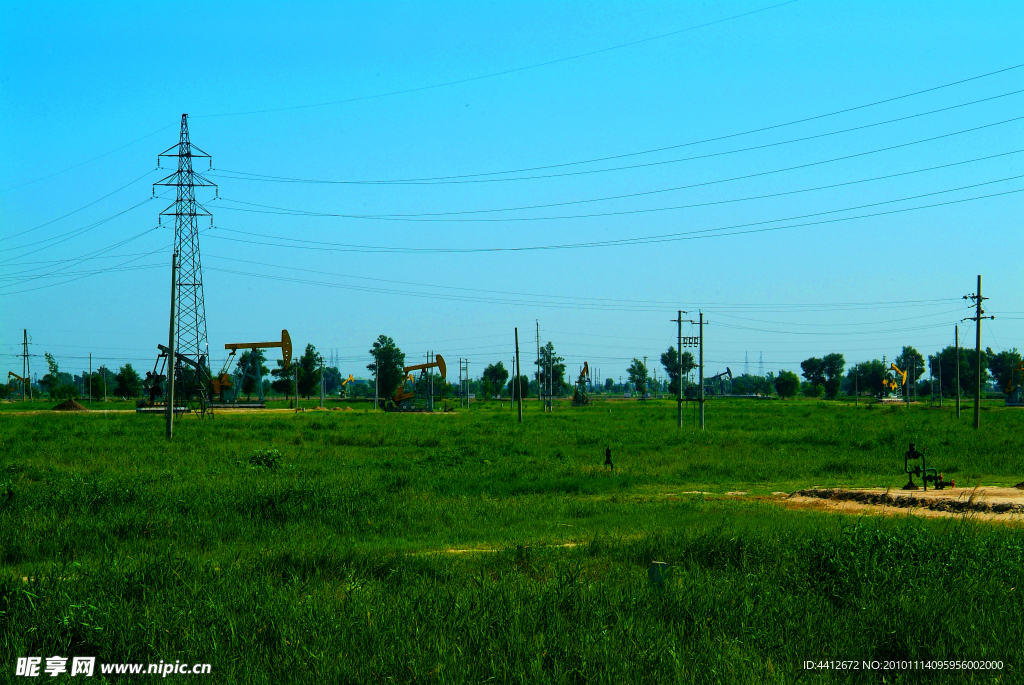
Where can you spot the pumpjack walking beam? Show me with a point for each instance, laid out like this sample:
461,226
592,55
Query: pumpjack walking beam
253,366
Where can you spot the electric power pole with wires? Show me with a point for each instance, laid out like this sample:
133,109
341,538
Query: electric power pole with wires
191,355
977,299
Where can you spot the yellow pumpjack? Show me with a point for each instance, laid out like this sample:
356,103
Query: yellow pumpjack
224,380
402,399
23,381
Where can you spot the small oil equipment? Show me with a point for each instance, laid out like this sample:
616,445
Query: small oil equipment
926,474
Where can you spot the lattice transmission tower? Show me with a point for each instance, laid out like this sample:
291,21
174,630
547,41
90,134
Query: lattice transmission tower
192,356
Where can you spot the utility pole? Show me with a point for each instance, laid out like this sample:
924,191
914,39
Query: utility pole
551,382
977,299
103,372
376,382
537,370
701,401
956,338
856,395
519,379
940,382
295,370
90,376
26,381
321,382
679,359
170,347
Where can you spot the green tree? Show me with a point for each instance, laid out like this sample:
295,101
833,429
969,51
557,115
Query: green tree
911,361
867,377
51,381
248,380
638,376
513,388
946,359
309,371
98,377
609,384
495,376
786,384
813,371
812,389
833,365
441,386
332,379
670,362
1002,365
549,359
285,375
390,361
127,382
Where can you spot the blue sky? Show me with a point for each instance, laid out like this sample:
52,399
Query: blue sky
88,97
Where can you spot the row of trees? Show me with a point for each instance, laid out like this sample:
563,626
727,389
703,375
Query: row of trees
822,376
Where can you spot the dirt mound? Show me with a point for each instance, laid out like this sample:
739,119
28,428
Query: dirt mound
910,501
69,405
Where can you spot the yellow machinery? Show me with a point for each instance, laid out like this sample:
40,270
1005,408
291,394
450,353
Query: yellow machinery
345,382
23,381
1015,389
579,395
405,397
225,381
890,381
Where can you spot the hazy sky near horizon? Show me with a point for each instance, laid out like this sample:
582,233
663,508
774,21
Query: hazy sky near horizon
857,232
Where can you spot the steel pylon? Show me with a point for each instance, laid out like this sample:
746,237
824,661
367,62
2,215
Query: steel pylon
192,358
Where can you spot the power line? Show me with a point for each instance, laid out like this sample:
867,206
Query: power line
500,73
29,230
88,161
98,271
414,217
679,145
667,237
627,167
68,235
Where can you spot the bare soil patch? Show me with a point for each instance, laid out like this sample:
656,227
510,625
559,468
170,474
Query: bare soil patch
984,502
69,405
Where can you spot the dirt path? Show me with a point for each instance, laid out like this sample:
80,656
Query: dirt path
986,503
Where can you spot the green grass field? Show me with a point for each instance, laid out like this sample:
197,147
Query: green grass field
464,547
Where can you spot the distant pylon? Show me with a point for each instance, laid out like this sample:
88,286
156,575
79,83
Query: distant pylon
746,363
760,365
192,365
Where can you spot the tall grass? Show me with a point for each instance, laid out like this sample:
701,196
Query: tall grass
332,546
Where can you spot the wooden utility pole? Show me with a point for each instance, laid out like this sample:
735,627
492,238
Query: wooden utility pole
856,394
701,389
679,378
90,368
321,382
956,338
26,369
940,381
979,311
537,371
295,371
170,353
519,379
